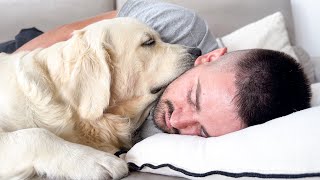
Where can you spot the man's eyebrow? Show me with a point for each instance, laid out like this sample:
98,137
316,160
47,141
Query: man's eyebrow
198,91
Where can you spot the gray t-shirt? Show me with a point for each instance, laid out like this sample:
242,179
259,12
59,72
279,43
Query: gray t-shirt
176,25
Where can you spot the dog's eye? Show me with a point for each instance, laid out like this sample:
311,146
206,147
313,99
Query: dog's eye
149,42
156,90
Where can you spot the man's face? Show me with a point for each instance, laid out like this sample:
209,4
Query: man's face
200,102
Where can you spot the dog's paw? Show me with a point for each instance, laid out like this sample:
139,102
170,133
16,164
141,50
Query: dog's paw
82,162
110,165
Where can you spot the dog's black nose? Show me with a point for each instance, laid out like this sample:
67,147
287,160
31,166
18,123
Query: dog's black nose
195,52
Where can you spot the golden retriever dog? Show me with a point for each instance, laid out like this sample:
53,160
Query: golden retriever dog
64,110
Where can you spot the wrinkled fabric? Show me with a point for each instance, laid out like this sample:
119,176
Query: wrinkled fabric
24,36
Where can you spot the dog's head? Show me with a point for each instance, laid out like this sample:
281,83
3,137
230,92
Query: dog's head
120,66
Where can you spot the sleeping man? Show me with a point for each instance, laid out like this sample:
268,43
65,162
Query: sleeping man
233,91
224,92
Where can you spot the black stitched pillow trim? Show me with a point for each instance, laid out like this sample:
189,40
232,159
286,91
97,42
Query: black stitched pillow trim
120,152
134,167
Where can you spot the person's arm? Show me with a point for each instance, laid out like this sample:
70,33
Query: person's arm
62,33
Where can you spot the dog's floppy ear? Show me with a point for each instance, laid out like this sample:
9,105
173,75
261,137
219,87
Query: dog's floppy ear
90,77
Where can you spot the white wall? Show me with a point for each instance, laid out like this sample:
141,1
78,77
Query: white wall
45,14
306,15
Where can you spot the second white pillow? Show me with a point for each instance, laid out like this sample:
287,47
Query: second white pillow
267,33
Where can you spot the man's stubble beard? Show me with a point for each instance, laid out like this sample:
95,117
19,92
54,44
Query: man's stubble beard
159,114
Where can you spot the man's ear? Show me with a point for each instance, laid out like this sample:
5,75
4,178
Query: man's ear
90,78
211,56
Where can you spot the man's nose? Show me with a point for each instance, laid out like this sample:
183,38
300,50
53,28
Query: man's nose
184,122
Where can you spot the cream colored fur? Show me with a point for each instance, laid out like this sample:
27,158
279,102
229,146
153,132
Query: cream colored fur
66,109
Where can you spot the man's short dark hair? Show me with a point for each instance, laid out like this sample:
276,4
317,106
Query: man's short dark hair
270,84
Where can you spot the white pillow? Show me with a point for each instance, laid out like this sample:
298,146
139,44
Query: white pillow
306,63
315,89
267,33
287,147
316,65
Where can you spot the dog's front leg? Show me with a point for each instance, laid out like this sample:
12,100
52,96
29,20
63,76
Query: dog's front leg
27,152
